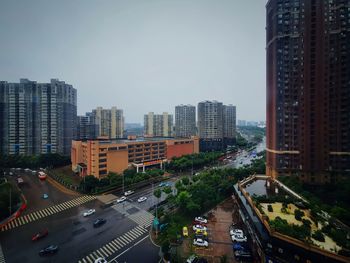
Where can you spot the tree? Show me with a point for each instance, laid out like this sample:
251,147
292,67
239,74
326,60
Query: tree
167,189
183,199
298,214
89,184
7,206
185,180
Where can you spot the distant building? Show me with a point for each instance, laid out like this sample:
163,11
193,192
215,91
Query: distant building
252,123
185,121
211,126
308,89
158,125
110,122
241,123
229,119
37,118
99,157
86,127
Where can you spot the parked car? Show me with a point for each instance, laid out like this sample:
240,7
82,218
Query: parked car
236,232
200,242
89,212
201,219
99,222
194,222
142,199
52,249
201,232
121,199
243,255
129,193
185,231
239,246
199,227
40,235
201,236
100,260
238,238
192,259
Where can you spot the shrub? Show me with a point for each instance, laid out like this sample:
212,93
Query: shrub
269,208
298,214
306,223
318,235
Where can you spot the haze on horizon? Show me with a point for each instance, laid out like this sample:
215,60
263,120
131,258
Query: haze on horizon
140,55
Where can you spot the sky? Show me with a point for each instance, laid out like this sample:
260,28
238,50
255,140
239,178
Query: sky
140,55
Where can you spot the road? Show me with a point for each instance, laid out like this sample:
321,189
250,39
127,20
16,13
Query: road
125,232
245,157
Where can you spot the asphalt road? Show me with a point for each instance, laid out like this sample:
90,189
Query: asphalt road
245,157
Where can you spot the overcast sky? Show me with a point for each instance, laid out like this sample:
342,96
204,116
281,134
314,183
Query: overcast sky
140,55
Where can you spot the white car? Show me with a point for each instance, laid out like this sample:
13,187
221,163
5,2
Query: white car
200,242
100,260
238,238
201,220
142,199
89,212
128,193
121,199
237,232
199,227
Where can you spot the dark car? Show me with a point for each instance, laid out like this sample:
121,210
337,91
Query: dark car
243,255
240,246
40,235
99,222
52,249
200,236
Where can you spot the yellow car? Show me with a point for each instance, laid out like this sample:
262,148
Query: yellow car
185,231
201,232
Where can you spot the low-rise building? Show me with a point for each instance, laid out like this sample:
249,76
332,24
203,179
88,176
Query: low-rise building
100,156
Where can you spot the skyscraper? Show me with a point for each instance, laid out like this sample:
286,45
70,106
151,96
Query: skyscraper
158,125
229,119
210,125
308,89
86,127
110,122
185,121
36,117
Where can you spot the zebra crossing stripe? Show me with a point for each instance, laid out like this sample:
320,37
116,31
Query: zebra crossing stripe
89,259
104,252
116,244
99,253
2,258
109,251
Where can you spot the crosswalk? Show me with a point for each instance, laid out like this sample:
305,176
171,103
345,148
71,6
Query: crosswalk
115,245
142,218
2,258
47,212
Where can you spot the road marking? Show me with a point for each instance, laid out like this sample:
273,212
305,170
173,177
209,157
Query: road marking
126,250
2,258
36,215
118,243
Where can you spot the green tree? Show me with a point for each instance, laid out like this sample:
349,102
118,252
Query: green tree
89,184
167,189
185,180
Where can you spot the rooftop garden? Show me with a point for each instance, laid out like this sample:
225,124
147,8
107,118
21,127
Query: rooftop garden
301,220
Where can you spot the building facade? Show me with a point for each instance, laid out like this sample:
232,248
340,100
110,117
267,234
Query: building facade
158,125
86,127
110,122
229,118
185,121
99,157
37,118
216,125
308,89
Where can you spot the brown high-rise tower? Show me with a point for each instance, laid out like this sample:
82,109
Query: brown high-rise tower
308,89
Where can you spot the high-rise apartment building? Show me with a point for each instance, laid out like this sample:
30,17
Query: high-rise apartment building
110,122
158,125
36,117
229,119
308,89
210,125
86,127
216,125
185,121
